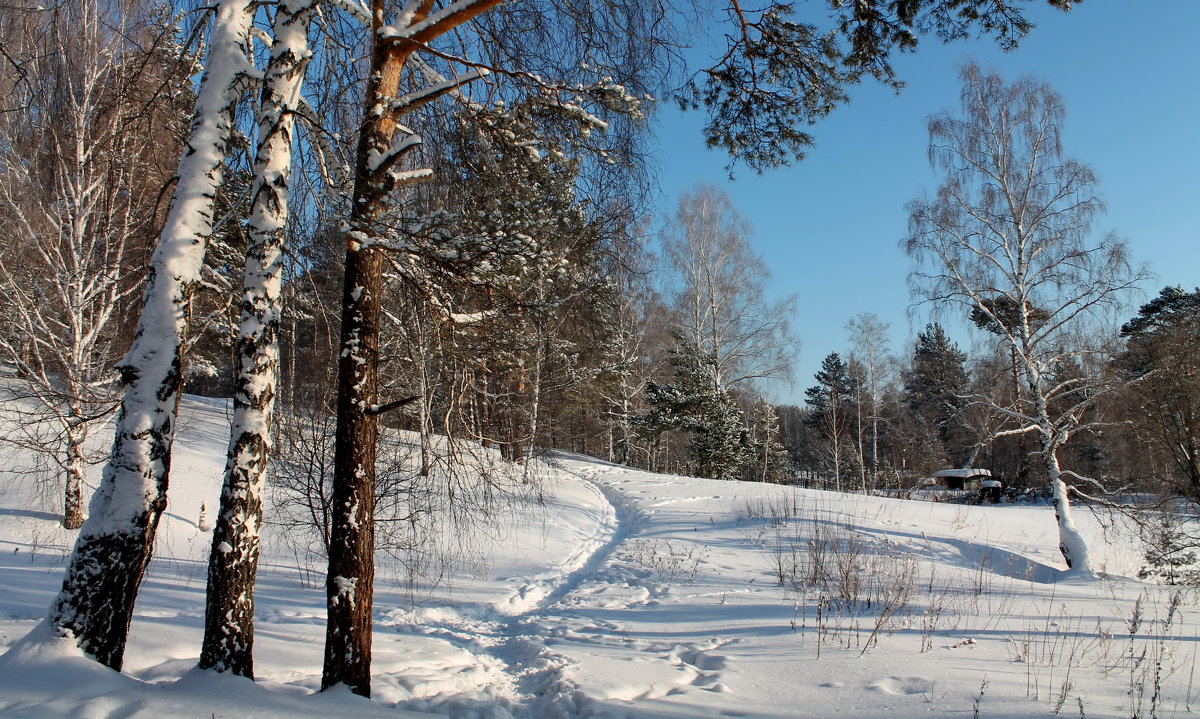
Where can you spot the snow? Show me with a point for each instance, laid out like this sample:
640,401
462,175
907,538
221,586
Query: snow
963,473
403,141
346,586
628,594
407,176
